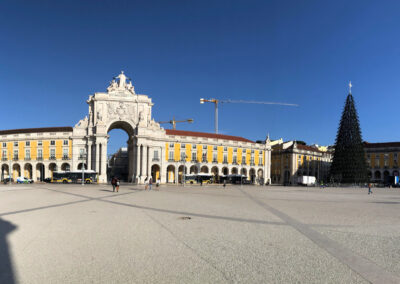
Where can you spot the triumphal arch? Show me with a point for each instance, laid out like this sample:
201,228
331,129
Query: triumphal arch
119,107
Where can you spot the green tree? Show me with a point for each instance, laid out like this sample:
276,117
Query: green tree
348,164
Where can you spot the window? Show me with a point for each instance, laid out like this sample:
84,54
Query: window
171,145
244,159
40,153
15,144
15,154
215,158
155,154
65,142
194,146
260,160
4,144
376,160
39,143
28,143
234,159
215,148
52,153
386,159
235,150
4,154
225,158
171,155
65,153
27,154
81,153
183,156
204,147
194,156
52,142
205,157
183,146
225,149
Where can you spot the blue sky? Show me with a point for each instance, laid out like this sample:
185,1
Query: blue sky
54,54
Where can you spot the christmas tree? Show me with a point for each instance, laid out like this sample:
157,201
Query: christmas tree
348,164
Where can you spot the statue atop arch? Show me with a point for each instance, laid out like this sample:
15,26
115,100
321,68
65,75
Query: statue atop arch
122,84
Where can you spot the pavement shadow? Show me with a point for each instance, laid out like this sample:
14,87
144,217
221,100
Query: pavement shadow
6,271
108,190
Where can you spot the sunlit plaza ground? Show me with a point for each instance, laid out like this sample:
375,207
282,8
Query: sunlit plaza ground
89,234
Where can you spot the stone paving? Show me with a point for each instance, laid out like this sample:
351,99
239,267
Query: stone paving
89,234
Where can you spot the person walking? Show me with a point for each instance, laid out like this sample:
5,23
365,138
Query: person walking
113,183
146,184
117,184
150,182
369,188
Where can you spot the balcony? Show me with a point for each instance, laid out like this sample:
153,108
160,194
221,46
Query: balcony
171,160
204,160
27,158
65,158
215,161
244,163
225,162
39,158
15,158
52,157
156,159
4,159
194,161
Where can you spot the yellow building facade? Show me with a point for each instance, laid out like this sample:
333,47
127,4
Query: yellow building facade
35,153
382,160
290,160
219,155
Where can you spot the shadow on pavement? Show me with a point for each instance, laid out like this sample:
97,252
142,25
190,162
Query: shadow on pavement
6,271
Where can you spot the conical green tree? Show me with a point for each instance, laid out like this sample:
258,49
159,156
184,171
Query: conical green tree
348,164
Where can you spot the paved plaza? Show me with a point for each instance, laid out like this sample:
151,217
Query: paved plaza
89,234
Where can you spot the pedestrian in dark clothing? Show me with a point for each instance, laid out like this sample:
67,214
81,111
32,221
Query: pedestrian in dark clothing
369,189
117,185
224,182
150,182
113,183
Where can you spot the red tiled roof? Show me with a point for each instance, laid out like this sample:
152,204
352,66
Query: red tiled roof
35,130
307,148
381,145
206,135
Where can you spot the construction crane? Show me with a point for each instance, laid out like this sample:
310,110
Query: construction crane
173,122
217,101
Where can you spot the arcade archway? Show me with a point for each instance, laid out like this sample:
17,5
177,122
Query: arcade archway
171,174
120,152
28,171
155,172
40,171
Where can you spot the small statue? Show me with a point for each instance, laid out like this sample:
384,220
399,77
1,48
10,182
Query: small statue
99,116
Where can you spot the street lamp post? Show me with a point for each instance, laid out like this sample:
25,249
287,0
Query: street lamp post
9,169
83,158
184,169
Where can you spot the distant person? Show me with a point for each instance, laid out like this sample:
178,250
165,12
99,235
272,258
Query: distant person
146,184
117,184
158,183
369,188
224,183
150,182
113,183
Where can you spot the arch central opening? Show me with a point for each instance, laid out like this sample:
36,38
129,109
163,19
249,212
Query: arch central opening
118,149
